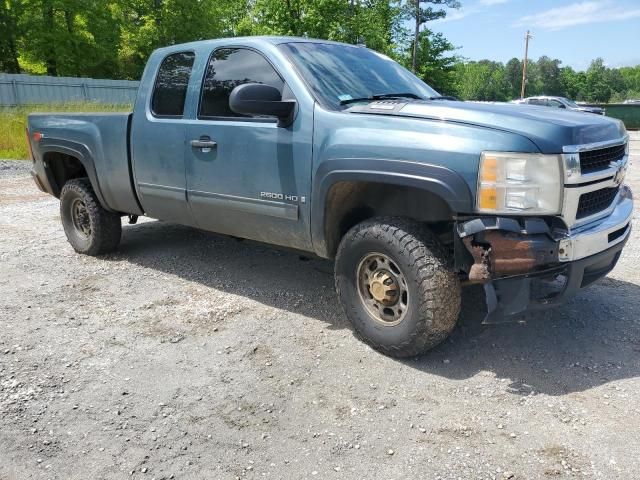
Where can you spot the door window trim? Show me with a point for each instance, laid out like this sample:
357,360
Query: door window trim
235,119
186,94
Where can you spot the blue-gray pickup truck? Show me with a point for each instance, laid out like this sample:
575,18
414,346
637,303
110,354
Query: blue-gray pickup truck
337,150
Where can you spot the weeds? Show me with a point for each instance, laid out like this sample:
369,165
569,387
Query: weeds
13,122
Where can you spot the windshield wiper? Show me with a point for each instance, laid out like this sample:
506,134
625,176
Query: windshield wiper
445,97
380,96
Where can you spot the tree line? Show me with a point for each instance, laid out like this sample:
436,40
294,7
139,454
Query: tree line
495,81
113,39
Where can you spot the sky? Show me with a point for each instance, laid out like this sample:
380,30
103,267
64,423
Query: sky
573,31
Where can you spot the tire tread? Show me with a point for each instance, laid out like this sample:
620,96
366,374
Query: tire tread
438,286
106,227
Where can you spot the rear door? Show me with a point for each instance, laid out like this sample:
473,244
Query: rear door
246,176
157,140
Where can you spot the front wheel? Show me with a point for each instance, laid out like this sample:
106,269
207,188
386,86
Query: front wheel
90,229
396,286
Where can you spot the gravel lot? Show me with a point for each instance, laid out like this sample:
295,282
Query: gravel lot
190,355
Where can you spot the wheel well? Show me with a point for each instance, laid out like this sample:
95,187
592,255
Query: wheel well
62,168
349,203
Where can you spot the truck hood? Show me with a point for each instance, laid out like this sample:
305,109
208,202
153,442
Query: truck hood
550,129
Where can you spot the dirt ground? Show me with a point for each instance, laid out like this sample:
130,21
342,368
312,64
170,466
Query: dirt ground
191,355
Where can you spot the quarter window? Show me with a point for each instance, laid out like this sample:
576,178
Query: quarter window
170,89
228,68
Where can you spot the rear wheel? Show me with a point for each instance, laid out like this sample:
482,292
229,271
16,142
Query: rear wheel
90,229
396,286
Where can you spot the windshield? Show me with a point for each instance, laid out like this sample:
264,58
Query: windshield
571,103
338,74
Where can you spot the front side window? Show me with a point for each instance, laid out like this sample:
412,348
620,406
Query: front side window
555,104
228,68
570,103
170,89
340,74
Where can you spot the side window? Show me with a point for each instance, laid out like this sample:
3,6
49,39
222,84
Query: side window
228,68
535,101
170,89
555,103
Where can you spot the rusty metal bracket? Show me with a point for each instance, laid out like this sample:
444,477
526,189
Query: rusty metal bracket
499,253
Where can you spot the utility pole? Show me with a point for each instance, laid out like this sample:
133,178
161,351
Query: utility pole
524,64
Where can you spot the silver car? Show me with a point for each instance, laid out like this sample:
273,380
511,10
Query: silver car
561,102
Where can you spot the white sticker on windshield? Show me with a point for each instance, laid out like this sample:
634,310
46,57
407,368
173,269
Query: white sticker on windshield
344,97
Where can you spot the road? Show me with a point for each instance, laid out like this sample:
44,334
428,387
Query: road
191,355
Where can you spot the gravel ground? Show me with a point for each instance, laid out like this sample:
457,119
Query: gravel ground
191,355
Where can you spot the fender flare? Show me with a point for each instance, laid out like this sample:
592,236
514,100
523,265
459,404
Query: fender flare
439,180
84,156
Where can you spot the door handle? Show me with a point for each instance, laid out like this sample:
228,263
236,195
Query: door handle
205,143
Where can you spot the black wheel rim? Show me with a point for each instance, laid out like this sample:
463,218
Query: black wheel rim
80,218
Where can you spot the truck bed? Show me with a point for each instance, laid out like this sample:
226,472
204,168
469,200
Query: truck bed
102,139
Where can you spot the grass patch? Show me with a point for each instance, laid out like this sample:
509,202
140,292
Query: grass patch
13,122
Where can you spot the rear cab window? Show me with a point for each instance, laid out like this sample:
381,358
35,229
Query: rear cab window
170,88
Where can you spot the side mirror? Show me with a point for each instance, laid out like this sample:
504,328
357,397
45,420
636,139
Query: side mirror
259,99
562,105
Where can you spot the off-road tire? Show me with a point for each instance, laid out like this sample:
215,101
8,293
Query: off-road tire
433,288
105,227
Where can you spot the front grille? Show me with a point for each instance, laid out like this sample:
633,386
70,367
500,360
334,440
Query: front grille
596,160
594,202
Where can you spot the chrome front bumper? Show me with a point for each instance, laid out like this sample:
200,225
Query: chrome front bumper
602,234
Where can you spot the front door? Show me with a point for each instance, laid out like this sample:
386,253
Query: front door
246,176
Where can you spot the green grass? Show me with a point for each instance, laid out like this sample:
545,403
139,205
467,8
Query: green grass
13,122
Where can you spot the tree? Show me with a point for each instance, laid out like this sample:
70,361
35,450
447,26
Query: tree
68,37
631,77
513,77
422,15
597,87
150,24
374,23
548,73
573,83
435,61
114,38
9,11
484,80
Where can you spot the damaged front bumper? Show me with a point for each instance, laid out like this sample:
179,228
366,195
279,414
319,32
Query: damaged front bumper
529,264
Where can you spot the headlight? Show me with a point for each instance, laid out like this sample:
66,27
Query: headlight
519,183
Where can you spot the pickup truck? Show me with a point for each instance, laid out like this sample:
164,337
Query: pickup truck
337,150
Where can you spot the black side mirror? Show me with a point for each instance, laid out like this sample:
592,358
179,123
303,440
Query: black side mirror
562,105
259,99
